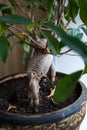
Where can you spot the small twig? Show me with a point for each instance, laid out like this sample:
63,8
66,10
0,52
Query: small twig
44,29
67,24
20,7
72,54
18,29
35,42
62,53
24,11
42,4
59,12
66,53
61,4
34,45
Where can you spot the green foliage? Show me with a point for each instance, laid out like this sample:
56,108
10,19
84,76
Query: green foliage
2,28
66,86
49,5
30,26
72,42
52,42
75,33
15,19
5,9
84,29
4,48
71,11
26,48
83,10
12,2
85,69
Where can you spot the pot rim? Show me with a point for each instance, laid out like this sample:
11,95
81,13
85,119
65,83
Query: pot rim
38,119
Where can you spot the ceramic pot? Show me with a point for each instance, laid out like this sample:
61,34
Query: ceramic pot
68,118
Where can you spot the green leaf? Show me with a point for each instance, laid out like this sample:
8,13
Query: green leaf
26,47
12,2
15,19
71,10
83,10
2,28
66,14
50,11
76,1
49,6
4,48
52,42
5,9
75,33
30,26
25,58
72,42
84,29
85,69
66,86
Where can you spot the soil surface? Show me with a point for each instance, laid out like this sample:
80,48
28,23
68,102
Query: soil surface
14,99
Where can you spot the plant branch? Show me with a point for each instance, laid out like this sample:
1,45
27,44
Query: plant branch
72,54
65,52
16,28
34,45
61,4
62,53
21,9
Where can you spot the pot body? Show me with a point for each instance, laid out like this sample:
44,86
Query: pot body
68,118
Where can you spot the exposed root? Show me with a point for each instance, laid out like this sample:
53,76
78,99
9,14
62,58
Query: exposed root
52,92
11,107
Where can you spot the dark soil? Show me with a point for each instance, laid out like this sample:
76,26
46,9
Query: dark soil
14,92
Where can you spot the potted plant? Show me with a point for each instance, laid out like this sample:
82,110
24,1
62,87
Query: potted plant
42,26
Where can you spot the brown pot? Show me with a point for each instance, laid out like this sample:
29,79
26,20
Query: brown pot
68,118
